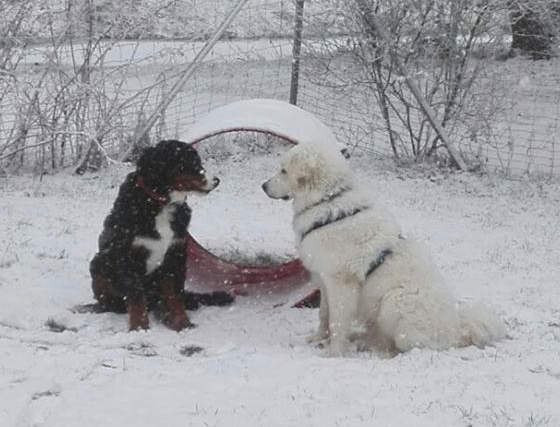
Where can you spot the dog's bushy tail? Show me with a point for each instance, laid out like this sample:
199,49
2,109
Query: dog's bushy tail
193,300
481,325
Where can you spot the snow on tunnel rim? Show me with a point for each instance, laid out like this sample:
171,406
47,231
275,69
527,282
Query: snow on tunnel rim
270,116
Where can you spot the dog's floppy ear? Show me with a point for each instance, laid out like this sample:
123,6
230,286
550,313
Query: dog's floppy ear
310,177
302,181
306,166
318,168
152,166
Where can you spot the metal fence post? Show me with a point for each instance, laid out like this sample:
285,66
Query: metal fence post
296,52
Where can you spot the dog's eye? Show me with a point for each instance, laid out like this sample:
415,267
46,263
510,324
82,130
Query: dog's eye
202,172
283,171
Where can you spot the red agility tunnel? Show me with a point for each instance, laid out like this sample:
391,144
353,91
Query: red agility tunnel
212,272
276,118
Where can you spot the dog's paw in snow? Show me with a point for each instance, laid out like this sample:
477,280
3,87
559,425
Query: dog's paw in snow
338,348
320,335
318,339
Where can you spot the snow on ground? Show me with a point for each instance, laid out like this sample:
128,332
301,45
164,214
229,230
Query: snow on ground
494,239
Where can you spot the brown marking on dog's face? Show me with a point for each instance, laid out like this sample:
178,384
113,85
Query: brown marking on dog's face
192,179
189,183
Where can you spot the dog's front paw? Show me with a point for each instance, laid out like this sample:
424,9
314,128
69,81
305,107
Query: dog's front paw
317,338
137,316
338,348
178,321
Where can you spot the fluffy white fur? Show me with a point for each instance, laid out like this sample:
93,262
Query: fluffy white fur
404,302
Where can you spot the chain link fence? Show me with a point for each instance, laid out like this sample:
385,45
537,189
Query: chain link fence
68,90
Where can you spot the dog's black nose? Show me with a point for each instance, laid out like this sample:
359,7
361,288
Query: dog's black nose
264,187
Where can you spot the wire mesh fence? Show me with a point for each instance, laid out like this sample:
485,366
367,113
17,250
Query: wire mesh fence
71,92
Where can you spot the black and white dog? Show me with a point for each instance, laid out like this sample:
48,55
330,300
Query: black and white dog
141,262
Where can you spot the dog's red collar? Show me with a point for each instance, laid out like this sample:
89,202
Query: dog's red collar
150,193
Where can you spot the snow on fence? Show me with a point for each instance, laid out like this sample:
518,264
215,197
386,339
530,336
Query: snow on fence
76,85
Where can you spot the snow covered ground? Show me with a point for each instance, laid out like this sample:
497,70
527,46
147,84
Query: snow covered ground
494,239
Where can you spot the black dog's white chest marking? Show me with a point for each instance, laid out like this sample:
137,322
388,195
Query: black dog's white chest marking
158,247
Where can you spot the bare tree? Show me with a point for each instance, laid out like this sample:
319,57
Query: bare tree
67,107
534,26
435,43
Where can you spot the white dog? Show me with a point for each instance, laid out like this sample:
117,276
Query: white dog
378,289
